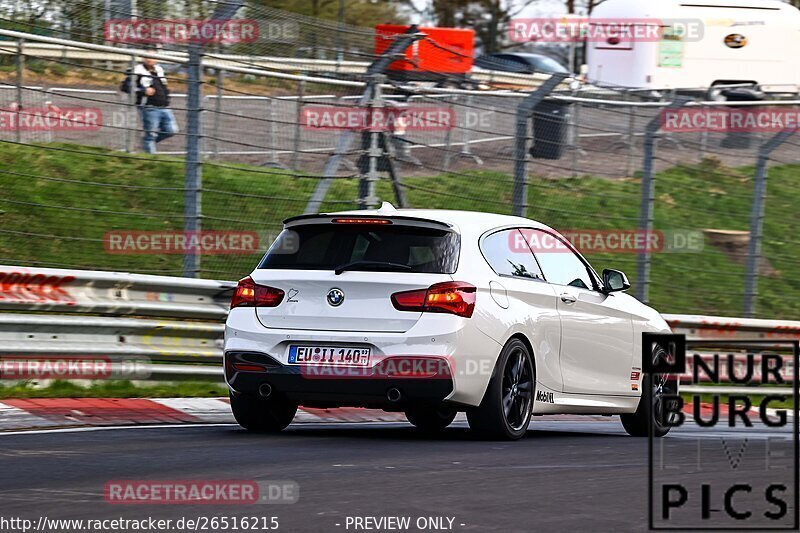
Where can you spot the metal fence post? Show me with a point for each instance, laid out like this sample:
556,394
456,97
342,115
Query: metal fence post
703,139
448,137
48,100
648,197
20,83
466,152
130,109
301,90
757,220
366,196
574,141
192,194
524,114
274,160
631,141
220,76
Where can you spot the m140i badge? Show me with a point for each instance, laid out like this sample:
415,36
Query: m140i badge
335,297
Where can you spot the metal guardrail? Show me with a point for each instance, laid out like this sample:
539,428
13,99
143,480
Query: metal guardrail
113,337
37,46
163,319
697,327
112,293
55,51
111,314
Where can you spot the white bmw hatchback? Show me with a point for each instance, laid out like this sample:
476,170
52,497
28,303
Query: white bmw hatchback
432,313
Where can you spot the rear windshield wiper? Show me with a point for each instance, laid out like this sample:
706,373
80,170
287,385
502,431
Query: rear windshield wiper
374,264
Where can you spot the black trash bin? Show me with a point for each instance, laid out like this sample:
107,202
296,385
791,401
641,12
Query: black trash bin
549,130
740,140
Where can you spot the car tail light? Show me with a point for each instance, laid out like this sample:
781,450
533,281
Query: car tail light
250,294
361,221
455,297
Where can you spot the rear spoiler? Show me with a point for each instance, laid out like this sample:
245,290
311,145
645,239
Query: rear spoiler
393,218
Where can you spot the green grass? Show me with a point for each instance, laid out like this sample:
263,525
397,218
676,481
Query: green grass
114,389
57,204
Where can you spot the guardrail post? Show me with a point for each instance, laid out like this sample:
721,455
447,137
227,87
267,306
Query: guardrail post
757,220
524,113
20,83
648,198
192,194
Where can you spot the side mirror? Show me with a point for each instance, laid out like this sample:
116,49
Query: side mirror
614,281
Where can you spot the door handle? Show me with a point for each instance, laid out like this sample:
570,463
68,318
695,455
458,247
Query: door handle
568,298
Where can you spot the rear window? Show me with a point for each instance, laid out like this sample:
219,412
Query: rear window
328,246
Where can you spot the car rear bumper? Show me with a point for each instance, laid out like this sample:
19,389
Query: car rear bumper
471,353
333,387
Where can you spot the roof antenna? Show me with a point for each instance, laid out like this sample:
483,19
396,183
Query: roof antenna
386,206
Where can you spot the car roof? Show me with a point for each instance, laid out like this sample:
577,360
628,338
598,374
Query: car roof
474,220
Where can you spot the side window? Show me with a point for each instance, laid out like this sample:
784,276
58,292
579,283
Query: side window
508,255
559,263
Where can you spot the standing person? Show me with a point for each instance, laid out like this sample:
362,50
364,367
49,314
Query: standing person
158,121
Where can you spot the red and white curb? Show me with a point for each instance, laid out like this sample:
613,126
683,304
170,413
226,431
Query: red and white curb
44,413
36,413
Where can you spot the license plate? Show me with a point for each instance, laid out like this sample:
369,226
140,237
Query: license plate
329,355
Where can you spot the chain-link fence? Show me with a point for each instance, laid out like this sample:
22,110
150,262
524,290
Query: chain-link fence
256,145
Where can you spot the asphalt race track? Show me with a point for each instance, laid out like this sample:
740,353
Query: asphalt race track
567,475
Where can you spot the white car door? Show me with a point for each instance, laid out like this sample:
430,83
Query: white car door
520,289
596,329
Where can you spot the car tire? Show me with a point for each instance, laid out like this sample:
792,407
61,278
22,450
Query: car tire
652,402
431,419
262,415
506,409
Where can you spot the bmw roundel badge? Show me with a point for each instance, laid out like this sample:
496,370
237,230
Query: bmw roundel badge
335,297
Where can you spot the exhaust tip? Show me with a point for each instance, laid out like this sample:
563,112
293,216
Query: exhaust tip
265,390
394,395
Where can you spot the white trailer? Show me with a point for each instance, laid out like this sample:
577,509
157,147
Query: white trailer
703,43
